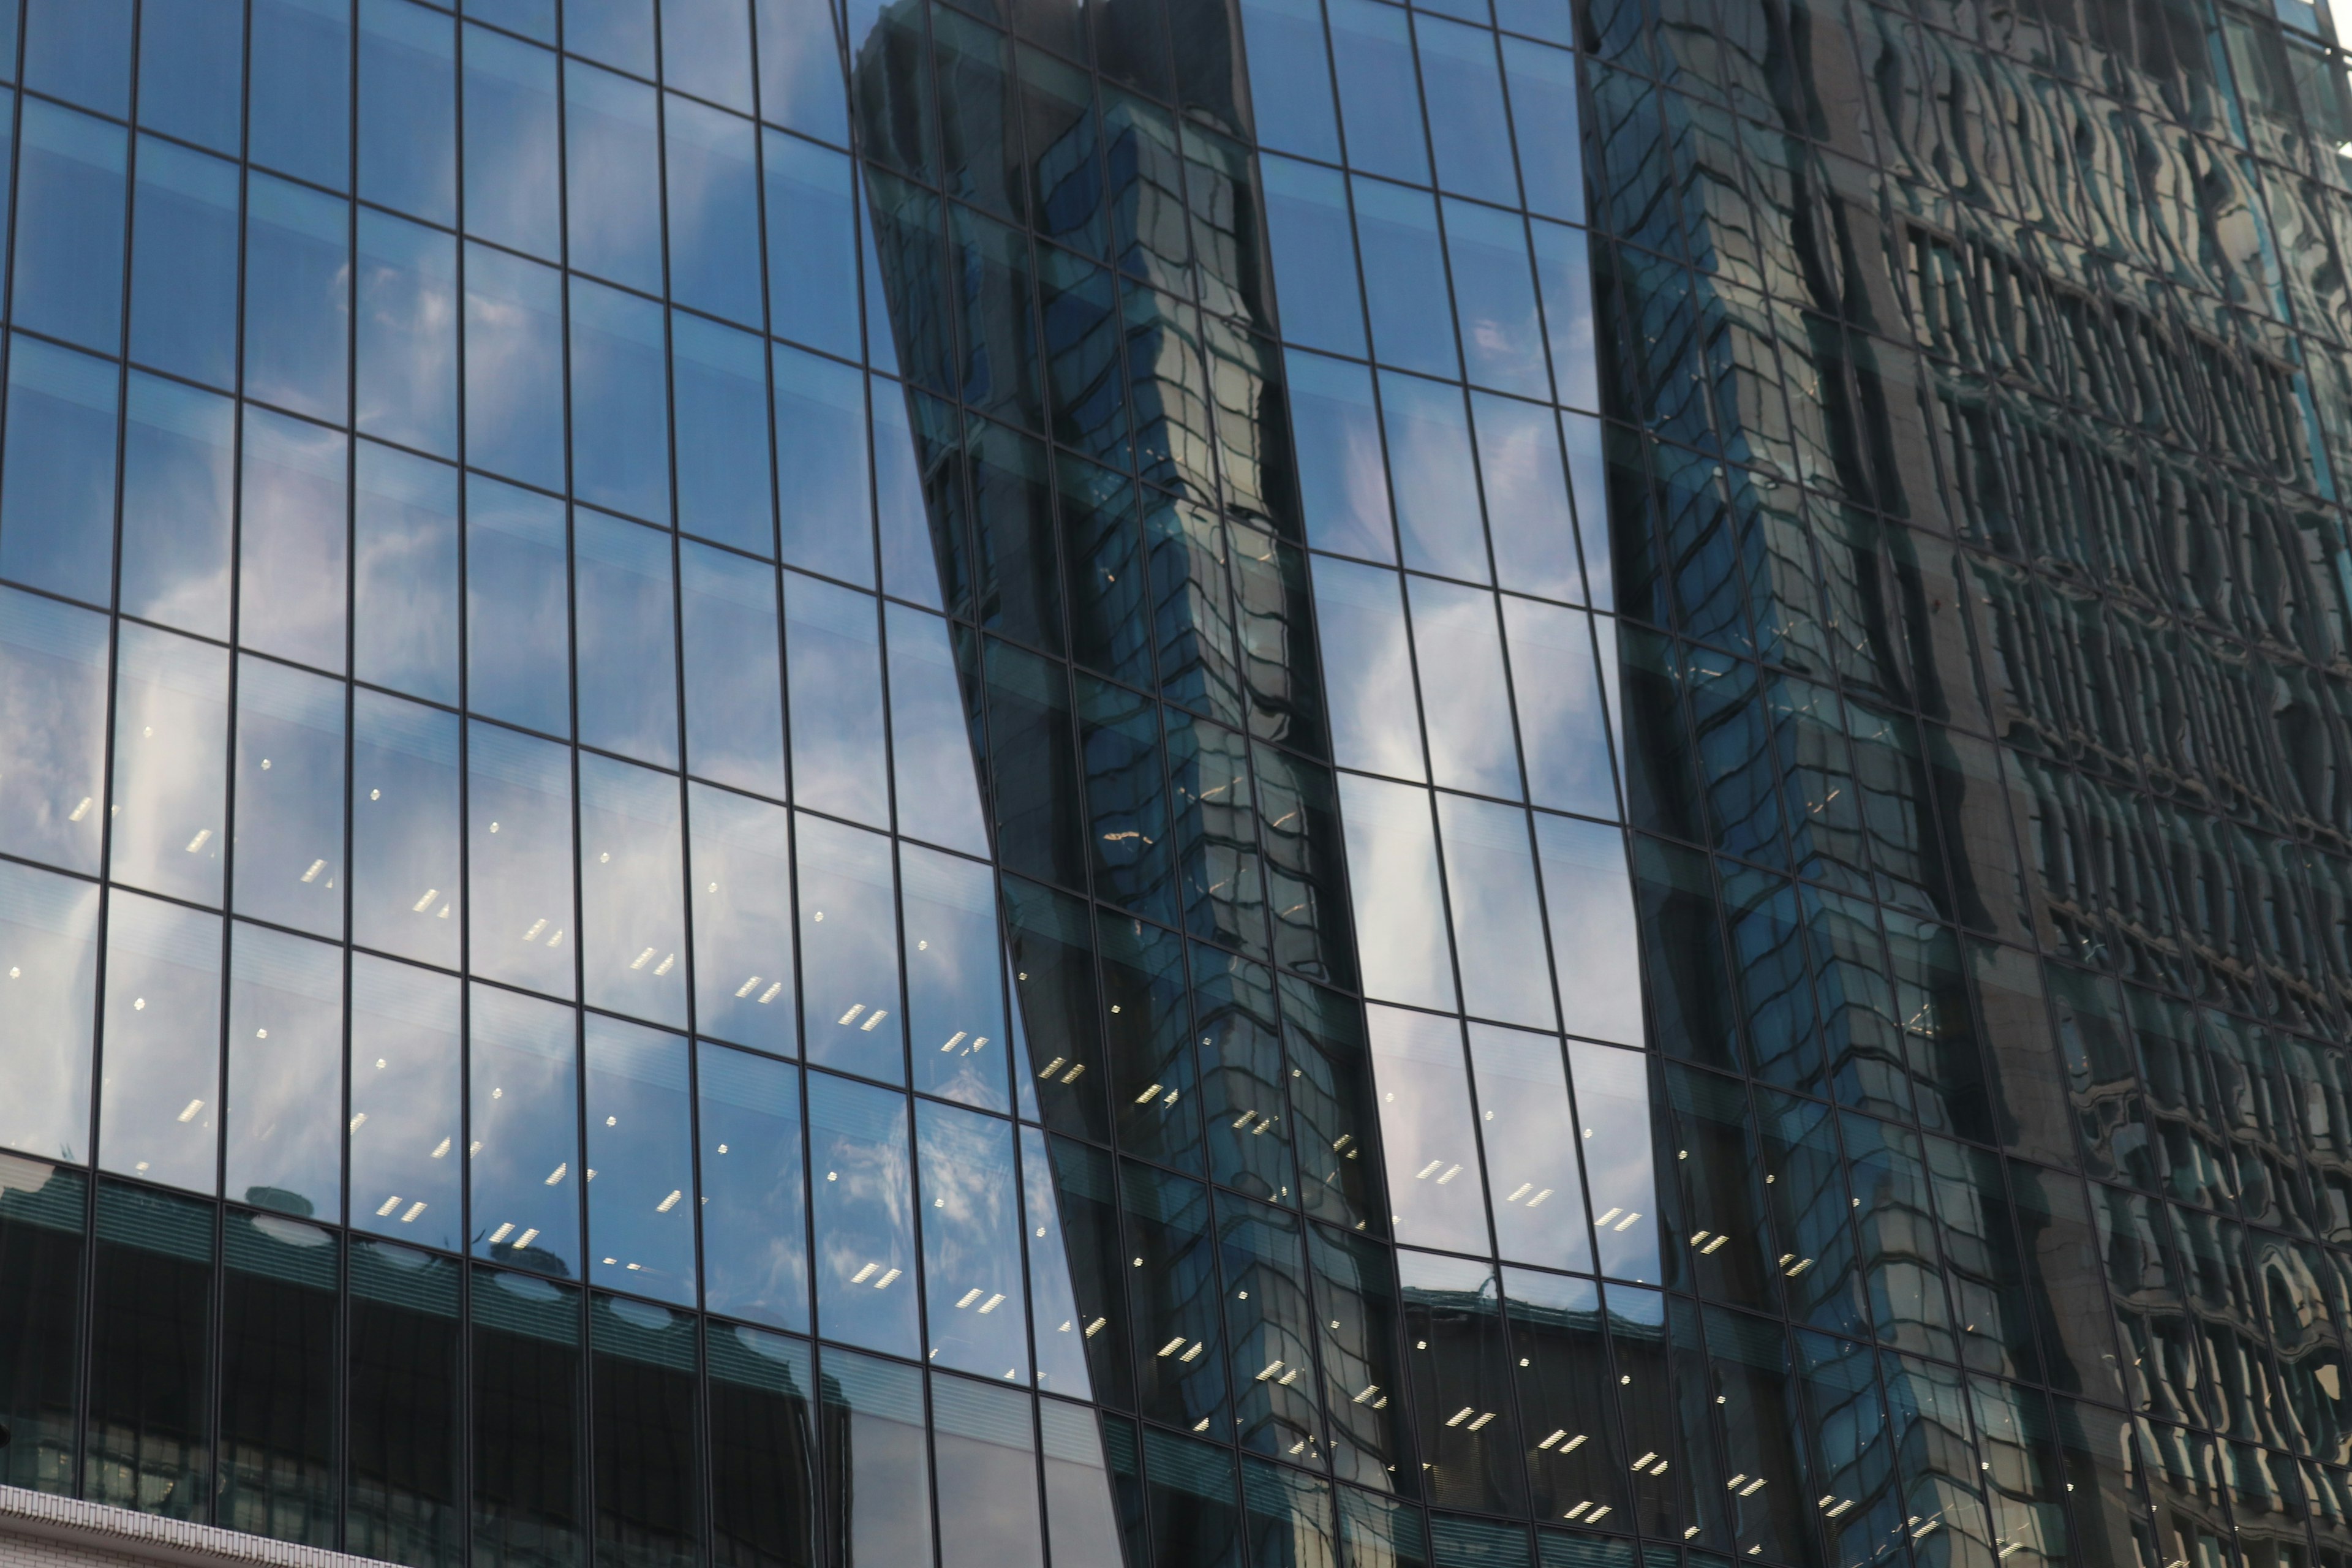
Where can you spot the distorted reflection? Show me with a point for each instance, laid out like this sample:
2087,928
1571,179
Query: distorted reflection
864,1201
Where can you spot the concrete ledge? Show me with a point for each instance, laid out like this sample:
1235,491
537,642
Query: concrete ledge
73,1532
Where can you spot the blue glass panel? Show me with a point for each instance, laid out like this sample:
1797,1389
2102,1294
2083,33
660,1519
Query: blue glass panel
1588,480
298,306
620,417
719,381
833,661
1367,660
1543,111
407,1085
864,1191
405,571
1612,1113
405,845
408,109
1378,98
170,763
714,209
56,484
518,825
1432,477
1429,1132
159,1100
524,1165
80,50
632,891
48,943
707,49
617,33
1458,646
293,538
53,680
284,1097
641,1145
69,198
932,743
289,797
613,139
828,525
514,367
1593,934
812,246
1399,898
1538,18
742,890
184,263
1336,436
406,344
955,978
1290,78
1562,723
517,609
512,180
754,1191
1495,298
1061,1331
910,561
626,648
298,114
192,70
849,951
1404,274
881,344
1564,271
972,1242
1490,881
179,475
1314,256
801,82
734,678
533,18
1467,124
1527,520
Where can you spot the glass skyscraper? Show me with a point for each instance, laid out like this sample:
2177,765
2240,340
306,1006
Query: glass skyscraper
1177,783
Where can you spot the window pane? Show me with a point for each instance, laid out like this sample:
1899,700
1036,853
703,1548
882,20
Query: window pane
408,109
289,797
512,183
292,546
192,70
828,525
1064,1330
1490,883
405,569
754,1208
734,679
799,68
1467,123
518,825
1591,902
298,114
183,262
405,1474
1434,476
713,190
179,479
1459,649
159,1100
1379,98
1341,481
1527,498
285,1073
1612,1112
864,1215
514,364
517,609
718,384
614,191
41,1218
151,1368
833,660
1404,272
525,1153
762,1448
69,275
642,1392
171,739
1429,1137
57,501
1495,297
877,1409
406,388
932,743
955,978
620,415
298,305
1531,1171
49,970
971,1245
811,244
743,920
641,1147
707,49
53,673
986,1457
1399,898
849,951
406,1088
527,1419
279,1379
626,648
405,840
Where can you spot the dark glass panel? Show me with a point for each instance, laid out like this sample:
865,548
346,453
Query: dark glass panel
278,1379
527,1421
148,1443
404,1495
762,1449
42,1215
648,1475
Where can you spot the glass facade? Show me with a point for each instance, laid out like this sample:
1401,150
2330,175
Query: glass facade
1180,783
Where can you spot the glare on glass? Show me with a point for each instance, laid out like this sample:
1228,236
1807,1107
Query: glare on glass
285,1073
1431,1136
170,763
407,1085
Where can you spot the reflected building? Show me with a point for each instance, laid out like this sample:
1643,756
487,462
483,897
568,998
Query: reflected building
1174,783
